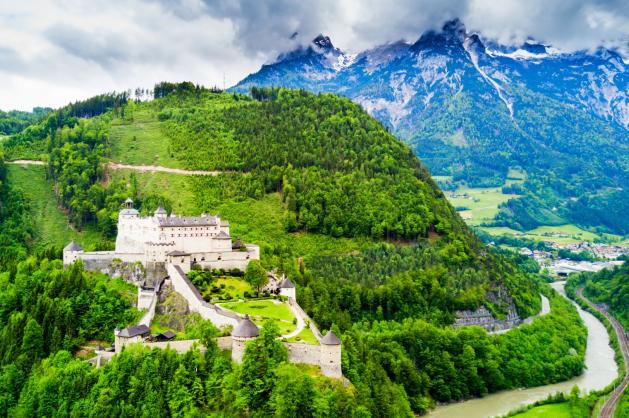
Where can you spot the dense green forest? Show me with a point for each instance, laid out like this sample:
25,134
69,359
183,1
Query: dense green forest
14,222
337,175
16,121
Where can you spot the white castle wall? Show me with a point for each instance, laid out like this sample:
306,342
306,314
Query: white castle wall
147,300
98,260
183,286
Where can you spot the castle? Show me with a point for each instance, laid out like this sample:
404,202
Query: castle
164,238
176,243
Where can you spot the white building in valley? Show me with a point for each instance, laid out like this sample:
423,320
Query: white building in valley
164,238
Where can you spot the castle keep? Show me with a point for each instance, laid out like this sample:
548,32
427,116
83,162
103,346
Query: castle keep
163,238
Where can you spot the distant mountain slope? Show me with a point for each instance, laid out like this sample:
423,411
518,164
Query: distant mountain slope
473,110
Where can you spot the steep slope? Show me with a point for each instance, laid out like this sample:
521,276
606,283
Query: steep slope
473,111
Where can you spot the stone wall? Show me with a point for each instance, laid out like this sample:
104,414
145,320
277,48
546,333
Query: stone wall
180,346
183,286
229,259
148,301
304,353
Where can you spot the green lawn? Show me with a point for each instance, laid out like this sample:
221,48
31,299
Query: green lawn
234,288
50,223
140,141
265,308
262,310
305,336
558,410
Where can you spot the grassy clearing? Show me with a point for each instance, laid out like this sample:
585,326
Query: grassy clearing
481,204
51,226
515,176
176,187
562,234
139,140
230,287
305,336
266,308
262,222
262,310
557,410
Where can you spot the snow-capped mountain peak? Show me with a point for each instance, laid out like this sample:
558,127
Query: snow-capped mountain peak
398,81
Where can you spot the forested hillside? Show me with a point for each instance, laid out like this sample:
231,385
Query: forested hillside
15,121
340,206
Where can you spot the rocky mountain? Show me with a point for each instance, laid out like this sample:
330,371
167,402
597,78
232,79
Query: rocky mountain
473,109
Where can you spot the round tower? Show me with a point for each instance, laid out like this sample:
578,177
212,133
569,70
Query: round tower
126,238
331,355
245,331
71,252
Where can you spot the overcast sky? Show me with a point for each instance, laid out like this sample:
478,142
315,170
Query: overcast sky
56,51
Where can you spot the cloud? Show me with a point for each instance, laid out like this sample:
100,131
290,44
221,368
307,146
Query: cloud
56,51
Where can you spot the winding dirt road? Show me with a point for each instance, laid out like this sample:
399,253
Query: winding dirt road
607,411
159,168
26,162
139,168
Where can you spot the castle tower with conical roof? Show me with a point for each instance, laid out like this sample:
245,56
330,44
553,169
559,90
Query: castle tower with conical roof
244,332
331,355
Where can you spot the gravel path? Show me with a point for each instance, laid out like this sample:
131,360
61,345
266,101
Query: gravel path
158,168
26,162
139,168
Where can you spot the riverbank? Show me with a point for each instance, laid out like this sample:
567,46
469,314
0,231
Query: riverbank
601,370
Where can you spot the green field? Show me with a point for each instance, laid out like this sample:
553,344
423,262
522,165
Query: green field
561,234
50,224
557,410
305,336
234,288
139,140
481,204
262,310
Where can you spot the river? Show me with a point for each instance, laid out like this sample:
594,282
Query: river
601,370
